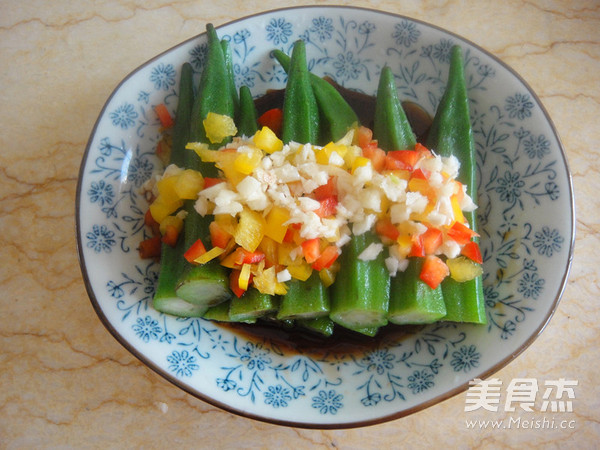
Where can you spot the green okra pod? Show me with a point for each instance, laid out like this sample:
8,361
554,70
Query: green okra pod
451,134
247,123
207,284
172,263
410,298
300,110
337,115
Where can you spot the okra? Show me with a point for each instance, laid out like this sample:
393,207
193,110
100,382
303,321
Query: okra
220,313
412,301
300,110
451,134
253,304
172,263
337,115
322,326
207,284
304,299
247,123
410,298
301,124
360,294
391,127
228,55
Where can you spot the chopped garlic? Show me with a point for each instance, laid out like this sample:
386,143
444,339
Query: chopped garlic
371,252
283,276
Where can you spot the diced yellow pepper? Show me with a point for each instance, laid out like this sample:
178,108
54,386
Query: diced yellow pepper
463,269
300,271
246,162
404,244
200,148
166,189
267,140
227,164
266,282
458,214
275,227
323,155
385,206
161,208
229,261
250,229
269,247
352,153
227,222
327,277
419,185
209,255
360,161
188,184
174,221
218,127
244,278
283,254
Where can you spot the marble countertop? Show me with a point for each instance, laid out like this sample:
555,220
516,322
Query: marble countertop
67,383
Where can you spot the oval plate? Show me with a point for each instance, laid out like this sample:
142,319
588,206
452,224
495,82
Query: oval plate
526,215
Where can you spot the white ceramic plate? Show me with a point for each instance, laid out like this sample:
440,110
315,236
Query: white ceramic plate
526,216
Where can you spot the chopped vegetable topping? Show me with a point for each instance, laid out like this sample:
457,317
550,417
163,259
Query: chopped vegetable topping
282,211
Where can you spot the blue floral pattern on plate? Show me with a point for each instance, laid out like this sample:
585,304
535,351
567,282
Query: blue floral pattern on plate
525,214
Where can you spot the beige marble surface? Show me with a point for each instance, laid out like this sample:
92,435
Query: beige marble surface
65,382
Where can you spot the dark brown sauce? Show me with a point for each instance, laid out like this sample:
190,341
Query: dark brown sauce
343,341
299,340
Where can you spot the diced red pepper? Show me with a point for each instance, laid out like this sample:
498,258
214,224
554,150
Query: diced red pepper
376,155
218,236
422,150
472,251
196,250
365,136
171,235
460,233
393,164
328,207
234,283
245,257
432,239
420,174
164,116
417,249
406,158
326,190
434,271
150,248
289,235
311,250
273,118
327,258
386,228
208,181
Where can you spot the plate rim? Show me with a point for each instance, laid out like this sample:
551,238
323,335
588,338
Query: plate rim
315,425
